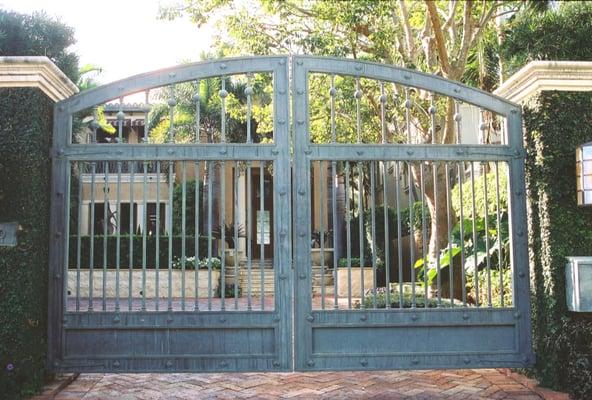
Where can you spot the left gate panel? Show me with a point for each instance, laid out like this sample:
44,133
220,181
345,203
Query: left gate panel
170,222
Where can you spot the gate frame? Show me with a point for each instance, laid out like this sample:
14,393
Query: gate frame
307,320
64,152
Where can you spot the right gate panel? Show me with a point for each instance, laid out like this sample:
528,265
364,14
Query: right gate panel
410,222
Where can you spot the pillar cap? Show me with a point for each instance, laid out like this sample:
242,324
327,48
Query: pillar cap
38,72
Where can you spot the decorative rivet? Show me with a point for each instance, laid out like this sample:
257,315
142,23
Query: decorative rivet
360,152
301,191
283,277
223,151
364,317
283,233
282,121
409,152
61,108
276,318
299,62
60,153
465,316
358,67
142,319
302,234
457,117
116,319
171,151
59,194
383,98
300,122
364,362
517,153
520,233
300,91
223,93
282,61
408,103
283,192
119,152
116,364
172,102
517,315
358,94
466,360
248,91
456,90
414,317
407,76
514,111
169,318
282,91
222,319
525,359
58,235
308,152
521,274
169,364
483,126
196,97
222,66
172,75
432,110
120,88
310,363
518,193
58,276
415,360
460,151
310,317
332,92
302,276
275,152
276,363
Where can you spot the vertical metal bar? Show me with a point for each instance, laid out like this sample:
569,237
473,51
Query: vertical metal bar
223,232
105,231
146,112
262,232
196,263
387,246
449,229
170,241
358,96
487,258
249,94
361,229
424,237
323,182
235,217
131,234
373,221
120,119
210,227
411,186
196,237
461,173
249,209
157,249
474,217
399,230
499,235
183,229
334,182
66,243
92,236
348,236
223,93
144,231
78,234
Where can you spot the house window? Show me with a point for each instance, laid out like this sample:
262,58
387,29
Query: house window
151,211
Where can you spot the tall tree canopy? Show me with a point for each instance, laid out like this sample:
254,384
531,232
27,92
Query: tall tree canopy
38,35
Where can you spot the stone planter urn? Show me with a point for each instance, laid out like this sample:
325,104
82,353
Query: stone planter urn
315,256
229,256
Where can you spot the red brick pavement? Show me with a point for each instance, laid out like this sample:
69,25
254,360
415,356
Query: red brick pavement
430,384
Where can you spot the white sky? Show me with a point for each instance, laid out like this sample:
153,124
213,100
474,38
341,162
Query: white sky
124,37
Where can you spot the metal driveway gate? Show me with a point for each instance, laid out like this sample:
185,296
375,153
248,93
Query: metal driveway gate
182,226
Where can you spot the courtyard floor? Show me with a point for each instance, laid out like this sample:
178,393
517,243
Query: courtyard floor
429,384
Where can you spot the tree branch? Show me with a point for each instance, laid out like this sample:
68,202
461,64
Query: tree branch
407,29
440,44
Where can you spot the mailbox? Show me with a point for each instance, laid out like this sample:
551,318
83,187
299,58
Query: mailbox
578,279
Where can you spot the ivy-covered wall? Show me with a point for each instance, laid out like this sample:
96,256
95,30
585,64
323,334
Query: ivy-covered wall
25,137
555,124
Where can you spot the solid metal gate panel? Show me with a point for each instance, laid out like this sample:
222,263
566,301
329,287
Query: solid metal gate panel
125,293
376,310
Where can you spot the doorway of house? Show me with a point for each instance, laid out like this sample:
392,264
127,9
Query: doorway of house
262,213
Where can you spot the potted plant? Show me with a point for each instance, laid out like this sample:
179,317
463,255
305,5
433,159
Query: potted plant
325,258
229,235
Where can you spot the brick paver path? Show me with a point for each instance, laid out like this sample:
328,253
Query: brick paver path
445,384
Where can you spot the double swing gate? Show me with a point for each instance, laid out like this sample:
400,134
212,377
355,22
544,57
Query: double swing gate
287,213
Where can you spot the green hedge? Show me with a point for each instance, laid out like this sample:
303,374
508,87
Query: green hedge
24,198
137,241
556,123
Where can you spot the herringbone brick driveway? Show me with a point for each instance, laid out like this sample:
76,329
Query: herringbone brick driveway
446,384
